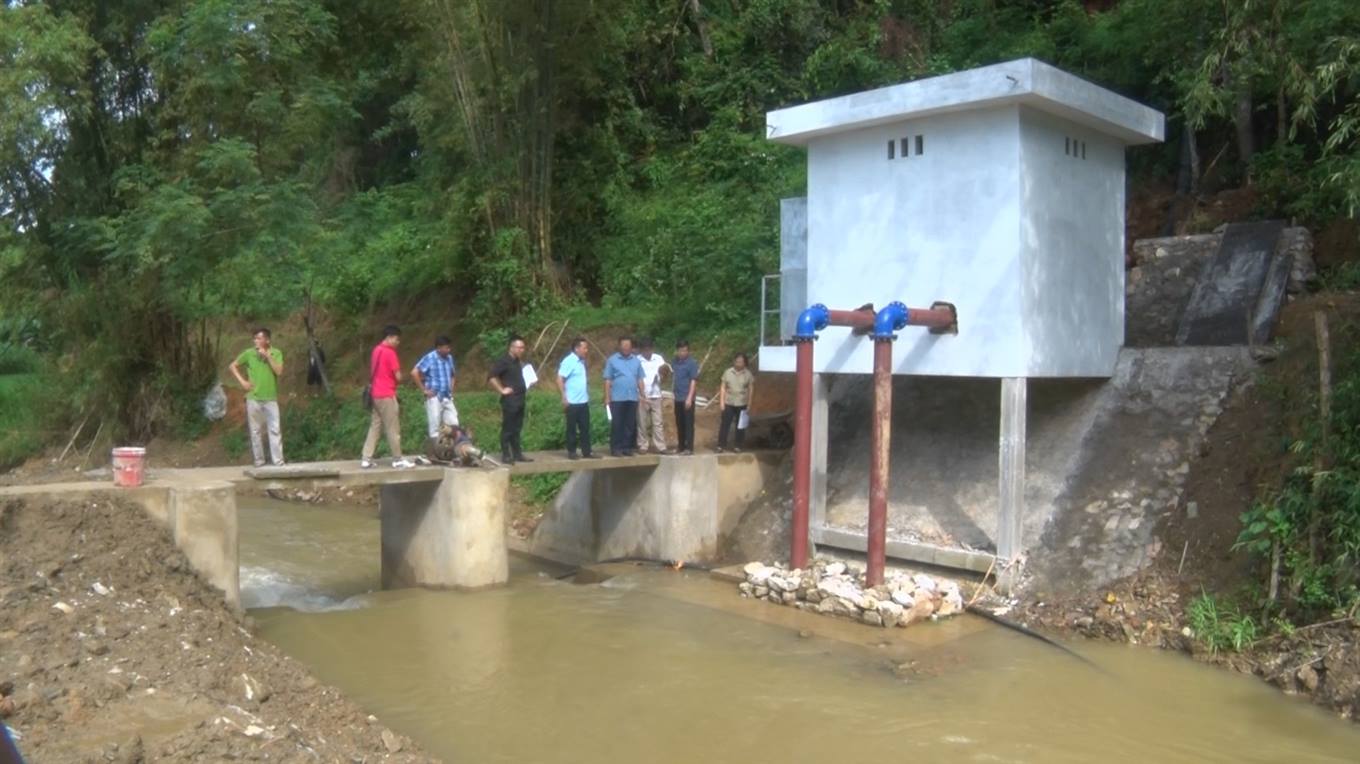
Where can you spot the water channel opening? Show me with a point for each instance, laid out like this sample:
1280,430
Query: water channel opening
656,665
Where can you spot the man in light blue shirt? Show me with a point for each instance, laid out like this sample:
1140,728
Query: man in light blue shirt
622,386
571,380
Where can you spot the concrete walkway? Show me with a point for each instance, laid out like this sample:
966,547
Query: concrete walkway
345,473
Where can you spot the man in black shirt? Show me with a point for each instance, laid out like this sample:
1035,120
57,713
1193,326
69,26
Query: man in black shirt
507,378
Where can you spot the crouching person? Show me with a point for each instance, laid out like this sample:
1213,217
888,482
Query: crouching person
453,445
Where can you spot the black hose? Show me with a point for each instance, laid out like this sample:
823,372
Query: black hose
674,564
1027,631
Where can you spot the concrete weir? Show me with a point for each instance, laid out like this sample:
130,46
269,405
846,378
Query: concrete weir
446,527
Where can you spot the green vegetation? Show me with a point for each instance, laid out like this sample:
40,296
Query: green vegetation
1306,531
169,168
1220,626
21,405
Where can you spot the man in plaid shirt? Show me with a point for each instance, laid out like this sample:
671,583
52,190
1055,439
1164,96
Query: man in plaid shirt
434,375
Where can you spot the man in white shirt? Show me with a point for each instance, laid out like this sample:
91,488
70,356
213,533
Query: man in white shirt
649,406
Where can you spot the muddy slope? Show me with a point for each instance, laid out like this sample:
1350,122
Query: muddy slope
112,649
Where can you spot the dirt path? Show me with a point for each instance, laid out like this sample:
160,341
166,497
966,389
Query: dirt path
112,649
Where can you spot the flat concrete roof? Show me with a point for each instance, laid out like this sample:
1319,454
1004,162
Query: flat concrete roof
1025,81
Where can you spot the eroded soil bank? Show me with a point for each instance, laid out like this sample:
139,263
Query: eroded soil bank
112,649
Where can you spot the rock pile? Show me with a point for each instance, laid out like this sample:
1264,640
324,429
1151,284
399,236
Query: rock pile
833,588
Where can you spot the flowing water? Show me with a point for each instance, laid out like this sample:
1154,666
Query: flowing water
655,666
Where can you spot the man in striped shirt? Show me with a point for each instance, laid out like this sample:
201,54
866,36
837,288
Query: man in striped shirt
435,375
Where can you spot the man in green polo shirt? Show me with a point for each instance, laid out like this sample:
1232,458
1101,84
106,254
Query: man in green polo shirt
263,364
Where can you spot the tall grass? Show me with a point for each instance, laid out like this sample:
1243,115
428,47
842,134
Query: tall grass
22,418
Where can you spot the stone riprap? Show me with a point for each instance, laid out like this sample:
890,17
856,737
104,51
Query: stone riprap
837,589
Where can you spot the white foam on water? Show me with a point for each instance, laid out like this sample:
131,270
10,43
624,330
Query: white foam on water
262,587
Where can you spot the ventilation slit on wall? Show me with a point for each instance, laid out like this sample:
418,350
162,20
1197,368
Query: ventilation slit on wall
891,146
920,145
902,148
1083,149
1067,145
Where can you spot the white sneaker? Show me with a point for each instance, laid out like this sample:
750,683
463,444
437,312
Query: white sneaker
402,464
366,463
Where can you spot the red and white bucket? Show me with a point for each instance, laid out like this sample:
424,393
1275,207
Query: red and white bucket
128,466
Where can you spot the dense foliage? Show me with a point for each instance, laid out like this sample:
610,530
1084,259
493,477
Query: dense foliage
168,165
1308,530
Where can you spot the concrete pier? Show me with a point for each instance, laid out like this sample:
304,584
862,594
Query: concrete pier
681,509
449,533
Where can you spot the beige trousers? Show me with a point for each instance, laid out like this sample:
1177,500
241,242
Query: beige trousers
385,419
264,415
650,410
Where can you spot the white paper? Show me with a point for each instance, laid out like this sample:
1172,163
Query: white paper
608,413
743,421
530,376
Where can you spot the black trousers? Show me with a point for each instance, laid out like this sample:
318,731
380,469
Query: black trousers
578,428
684,426
512,423
623,426
731,416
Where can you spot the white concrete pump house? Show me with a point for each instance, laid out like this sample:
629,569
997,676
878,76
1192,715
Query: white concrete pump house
998,189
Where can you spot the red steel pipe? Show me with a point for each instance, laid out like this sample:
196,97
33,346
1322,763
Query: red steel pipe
802,454
940,317
878,465
860,320
934,318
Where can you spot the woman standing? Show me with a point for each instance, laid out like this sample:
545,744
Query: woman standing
738,387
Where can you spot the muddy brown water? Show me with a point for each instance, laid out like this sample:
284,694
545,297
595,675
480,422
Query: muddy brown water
657,666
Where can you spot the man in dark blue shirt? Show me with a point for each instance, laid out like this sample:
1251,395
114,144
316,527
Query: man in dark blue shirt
685,371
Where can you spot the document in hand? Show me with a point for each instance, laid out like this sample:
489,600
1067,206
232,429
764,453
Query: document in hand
744,420
530,376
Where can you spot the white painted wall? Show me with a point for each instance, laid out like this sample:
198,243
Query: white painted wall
943,225
1072,235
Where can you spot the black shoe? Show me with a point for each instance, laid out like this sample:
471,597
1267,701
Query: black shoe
507,459
630,453
612,452
523,458
722,449
572,455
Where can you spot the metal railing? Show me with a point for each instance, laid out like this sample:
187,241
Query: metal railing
766,311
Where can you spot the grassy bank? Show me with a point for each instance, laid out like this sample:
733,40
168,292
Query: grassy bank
22,418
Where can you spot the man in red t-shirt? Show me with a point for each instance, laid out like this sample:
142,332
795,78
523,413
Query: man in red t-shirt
384,373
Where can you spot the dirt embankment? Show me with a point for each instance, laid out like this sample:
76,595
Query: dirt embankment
1245,450
112,649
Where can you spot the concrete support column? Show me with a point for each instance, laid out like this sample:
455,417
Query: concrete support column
1011,468
821,387
681,509
202,519
446,534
